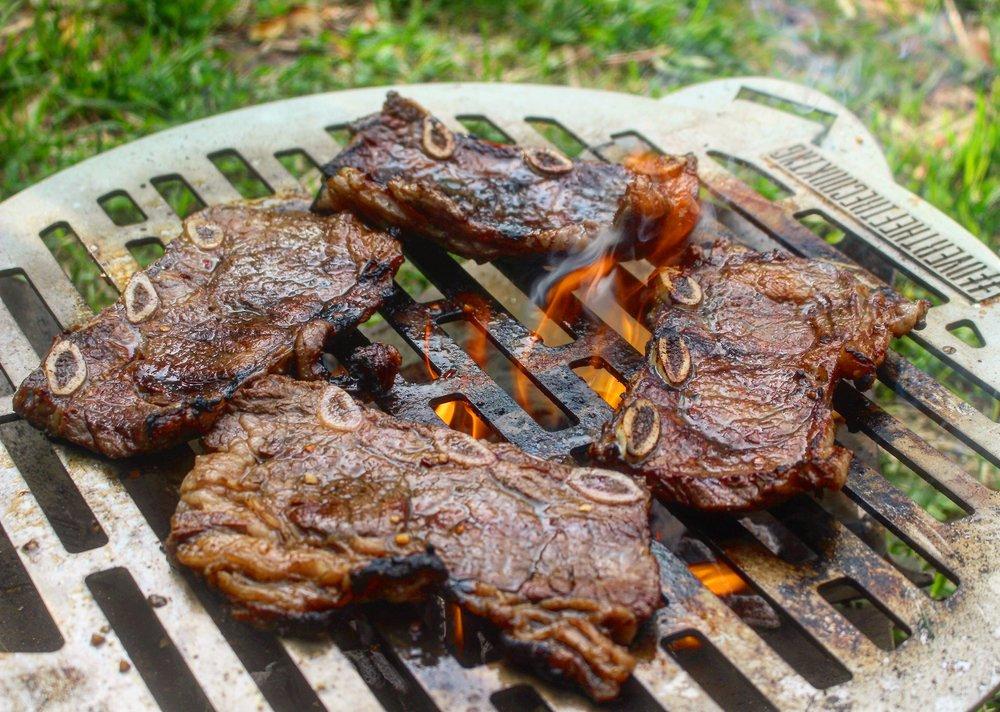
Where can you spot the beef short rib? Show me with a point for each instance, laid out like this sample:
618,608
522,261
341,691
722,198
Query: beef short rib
732,410
223,305
312,501
404,168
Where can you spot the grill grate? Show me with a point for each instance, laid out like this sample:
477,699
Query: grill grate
135,632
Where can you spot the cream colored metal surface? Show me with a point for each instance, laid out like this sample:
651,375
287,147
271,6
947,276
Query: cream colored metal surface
952,659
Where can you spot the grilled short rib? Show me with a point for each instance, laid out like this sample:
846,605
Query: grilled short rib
404,168
311,502
732,411
223,305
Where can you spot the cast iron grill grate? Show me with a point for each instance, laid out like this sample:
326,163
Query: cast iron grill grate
93,614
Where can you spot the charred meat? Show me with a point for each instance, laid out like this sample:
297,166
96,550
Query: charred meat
311,501
406,169
226,303
732,410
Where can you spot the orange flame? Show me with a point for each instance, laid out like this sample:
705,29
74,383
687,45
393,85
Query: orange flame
603,382
718,577
427,350
598,288
457,414
611,291
685,642
458,631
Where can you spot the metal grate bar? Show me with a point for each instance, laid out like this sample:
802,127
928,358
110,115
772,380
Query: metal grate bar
793,588
858,562
947,410
694,607
904,517
912,450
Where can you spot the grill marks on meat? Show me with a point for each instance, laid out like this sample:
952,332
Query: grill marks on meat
312,501
405,169
223,305
732,411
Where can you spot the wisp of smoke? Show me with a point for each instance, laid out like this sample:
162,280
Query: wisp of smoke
600,247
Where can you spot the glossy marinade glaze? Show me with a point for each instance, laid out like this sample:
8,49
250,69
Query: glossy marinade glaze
223,305
405,169
732,410
311,501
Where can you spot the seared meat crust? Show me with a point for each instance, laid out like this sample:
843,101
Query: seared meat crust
222,306
732,411
405,169
312,501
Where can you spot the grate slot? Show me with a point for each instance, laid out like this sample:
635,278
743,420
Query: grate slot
28,310
909,448
515,302
157,660
602,379
79,265
843,550
301,165
865,613
340,133
25,624
57,495
763,183
900,514
558,135
120,207
936,581
178,194
714,673
455,373
240,174
521,698
690,605
767,620
824,227
793,588
153,482
482,127
967,332
459,414
376,660
916,350
145,250
947,410
514,379
622,145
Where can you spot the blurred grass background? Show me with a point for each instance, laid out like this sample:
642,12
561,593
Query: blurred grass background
78,77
